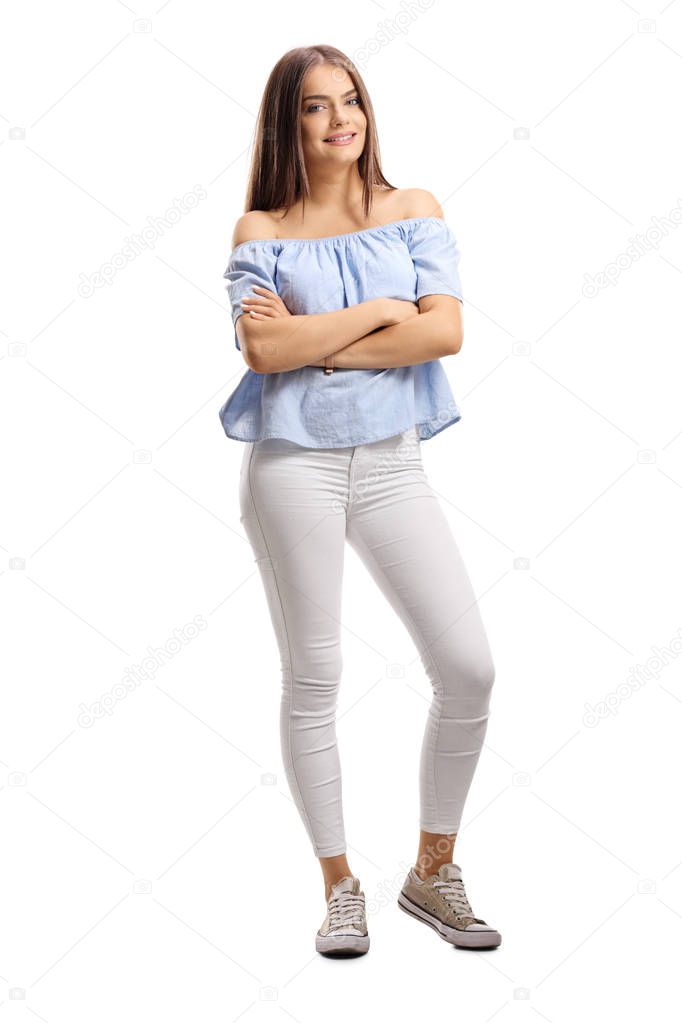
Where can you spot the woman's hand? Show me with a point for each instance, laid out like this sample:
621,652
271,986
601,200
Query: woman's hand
268,305
265,305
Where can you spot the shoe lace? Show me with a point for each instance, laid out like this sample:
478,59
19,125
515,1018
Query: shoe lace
346,909
455,896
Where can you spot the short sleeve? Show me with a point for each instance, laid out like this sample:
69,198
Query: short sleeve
435,254
250,263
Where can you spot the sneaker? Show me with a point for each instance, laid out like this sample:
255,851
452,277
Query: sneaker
344,929
441,902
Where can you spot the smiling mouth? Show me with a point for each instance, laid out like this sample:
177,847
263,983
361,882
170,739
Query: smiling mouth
341,139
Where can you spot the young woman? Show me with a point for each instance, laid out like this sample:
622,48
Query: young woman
345,294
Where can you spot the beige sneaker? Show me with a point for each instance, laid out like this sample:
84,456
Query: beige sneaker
344,929
441,902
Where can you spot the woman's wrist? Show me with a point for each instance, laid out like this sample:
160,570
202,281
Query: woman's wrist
335,359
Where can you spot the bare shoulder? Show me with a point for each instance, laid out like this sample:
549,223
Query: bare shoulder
418,202
253,226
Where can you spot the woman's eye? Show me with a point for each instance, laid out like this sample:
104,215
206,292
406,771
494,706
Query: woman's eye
314,106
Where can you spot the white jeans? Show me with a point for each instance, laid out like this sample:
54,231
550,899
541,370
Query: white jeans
298,507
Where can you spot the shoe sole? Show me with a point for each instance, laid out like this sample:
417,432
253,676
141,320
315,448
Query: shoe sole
460,939
342,945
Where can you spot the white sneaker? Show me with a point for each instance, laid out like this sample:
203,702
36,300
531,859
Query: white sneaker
344,929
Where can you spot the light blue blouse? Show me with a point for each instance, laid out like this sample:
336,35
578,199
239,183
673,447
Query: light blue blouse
404,259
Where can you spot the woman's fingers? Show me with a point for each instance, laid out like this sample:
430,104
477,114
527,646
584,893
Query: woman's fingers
267,304
266,298
259,310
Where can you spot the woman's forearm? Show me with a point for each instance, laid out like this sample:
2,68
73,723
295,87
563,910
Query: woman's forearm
418,339
277,344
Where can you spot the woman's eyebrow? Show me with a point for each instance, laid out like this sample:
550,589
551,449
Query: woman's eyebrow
321,96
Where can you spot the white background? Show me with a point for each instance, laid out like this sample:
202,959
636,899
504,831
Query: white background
154,866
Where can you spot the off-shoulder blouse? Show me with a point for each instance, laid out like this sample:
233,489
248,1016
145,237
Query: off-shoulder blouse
404,259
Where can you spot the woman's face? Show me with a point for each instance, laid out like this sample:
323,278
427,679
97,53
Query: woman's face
330,106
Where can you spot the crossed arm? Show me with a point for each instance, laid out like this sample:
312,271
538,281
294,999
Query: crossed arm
377,334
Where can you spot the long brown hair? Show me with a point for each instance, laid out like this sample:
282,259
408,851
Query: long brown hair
277,177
